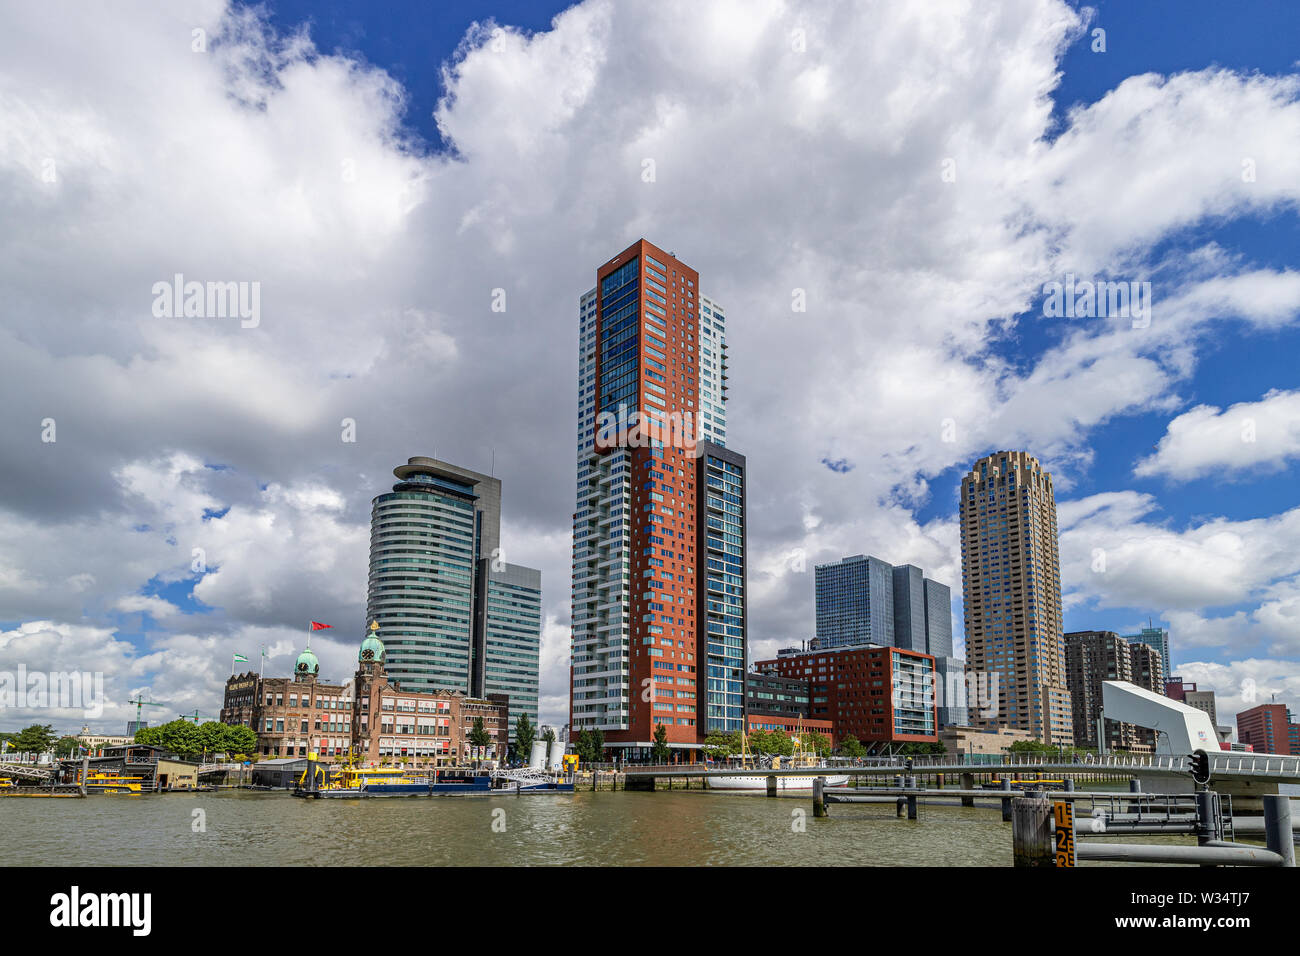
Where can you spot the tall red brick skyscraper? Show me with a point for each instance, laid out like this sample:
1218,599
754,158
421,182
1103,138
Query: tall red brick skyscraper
659,528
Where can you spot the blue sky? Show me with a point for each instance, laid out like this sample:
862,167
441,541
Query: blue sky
781,166
410,40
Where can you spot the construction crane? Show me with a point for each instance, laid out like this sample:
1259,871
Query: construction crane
141,702
196,717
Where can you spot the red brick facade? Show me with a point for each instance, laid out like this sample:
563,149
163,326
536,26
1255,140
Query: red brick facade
853,688
679,704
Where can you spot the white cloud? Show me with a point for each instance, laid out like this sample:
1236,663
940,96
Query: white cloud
155,607
1247,683
1111,552
1247,437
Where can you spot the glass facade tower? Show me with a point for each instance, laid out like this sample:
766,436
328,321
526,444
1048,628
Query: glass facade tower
1158,639
855,602
722,476
658,529
426,537
507,649
454,615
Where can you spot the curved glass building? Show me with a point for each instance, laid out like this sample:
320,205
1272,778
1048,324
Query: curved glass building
453,614
426,537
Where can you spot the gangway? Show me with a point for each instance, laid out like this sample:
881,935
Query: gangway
24,771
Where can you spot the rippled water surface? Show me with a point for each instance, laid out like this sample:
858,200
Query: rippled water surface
682,828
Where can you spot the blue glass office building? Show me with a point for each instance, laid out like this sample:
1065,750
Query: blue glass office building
855,602
721,477
1158,638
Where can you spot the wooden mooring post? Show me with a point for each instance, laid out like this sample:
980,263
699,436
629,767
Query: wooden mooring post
1032,832
819,796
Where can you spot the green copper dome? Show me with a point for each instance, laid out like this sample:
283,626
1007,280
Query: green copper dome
307,663
372,648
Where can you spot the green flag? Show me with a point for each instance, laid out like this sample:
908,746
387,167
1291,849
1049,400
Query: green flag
241,659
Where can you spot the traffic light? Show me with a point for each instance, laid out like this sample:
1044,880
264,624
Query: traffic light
1201,767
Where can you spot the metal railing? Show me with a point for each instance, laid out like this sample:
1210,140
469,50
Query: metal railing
1203,816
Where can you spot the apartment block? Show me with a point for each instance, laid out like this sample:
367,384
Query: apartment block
659,525
1269,729
1011,581
1093,657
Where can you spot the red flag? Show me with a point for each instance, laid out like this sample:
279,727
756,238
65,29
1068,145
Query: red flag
316,626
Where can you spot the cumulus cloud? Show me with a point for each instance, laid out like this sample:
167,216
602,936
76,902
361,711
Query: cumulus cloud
897,167
1112,551
1246,437
1242,684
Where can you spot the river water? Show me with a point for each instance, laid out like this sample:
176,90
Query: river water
672,828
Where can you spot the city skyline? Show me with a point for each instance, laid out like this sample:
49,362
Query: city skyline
416,238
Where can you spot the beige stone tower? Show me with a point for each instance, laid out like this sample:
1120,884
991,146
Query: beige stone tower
1011,581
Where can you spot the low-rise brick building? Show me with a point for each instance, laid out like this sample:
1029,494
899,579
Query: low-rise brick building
883,696
369,717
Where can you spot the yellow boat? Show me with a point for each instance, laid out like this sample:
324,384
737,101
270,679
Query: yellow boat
100,782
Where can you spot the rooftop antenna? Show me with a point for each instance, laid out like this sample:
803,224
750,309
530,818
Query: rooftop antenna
493,471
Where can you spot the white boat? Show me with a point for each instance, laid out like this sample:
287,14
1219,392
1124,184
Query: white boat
757,782
784,782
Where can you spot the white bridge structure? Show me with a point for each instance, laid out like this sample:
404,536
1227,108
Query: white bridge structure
1180,729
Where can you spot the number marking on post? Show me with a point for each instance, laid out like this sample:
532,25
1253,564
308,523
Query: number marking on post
1063,815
